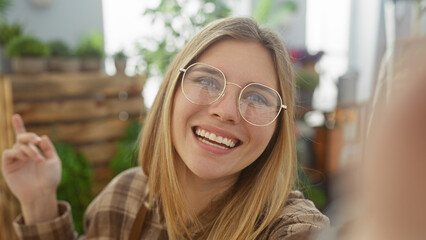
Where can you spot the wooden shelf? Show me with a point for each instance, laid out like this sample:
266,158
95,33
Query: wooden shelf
84,109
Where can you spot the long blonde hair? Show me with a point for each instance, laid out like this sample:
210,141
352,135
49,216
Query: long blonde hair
263,187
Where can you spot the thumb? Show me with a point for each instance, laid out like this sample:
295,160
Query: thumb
47,147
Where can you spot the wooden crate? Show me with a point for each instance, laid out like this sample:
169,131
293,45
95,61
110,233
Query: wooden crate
88,110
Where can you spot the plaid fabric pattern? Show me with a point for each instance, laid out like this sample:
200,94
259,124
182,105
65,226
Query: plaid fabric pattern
59,228
112,212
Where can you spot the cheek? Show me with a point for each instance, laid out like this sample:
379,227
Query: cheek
181,112
261,137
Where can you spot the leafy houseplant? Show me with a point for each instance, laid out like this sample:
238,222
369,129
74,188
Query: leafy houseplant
120,61
307,79
62,58
58,50
91,51
28,54
120,54
7,33
76,182
173,36
311,191
127,149
274,13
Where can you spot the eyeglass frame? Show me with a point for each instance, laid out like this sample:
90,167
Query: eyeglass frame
222,93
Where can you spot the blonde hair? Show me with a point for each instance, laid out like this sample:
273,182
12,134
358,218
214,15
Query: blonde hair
263,187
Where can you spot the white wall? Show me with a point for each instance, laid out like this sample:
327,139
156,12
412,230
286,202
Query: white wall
294,32
327,29
67,20
367,44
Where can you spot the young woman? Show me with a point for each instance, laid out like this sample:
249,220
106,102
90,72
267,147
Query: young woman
217,153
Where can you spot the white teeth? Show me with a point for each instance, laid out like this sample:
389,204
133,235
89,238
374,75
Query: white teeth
212,144
212,137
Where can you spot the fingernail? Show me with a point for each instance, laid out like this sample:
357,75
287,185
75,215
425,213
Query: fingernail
38,139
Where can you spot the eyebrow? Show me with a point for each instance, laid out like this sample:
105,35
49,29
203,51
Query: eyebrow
208,70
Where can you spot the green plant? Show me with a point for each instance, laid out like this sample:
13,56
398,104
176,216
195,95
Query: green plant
8,32
91,46
76,182
273,12
27,46
310,191
127,149
59,49
4,6
120,54
179,23
306,80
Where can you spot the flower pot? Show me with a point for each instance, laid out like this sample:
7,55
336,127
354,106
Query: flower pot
53,63
90,64
29,65
120,65
70,65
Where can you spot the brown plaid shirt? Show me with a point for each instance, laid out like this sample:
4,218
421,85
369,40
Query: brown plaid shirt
112,212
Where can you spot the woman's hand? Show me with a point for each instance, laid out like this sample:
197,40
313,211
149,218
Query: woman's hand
32,170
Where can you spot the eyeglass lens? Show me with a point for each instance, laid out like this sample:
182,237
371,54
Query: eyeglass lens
258,104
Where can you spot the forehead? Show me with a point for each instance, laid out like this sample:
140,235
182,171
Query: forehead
242,62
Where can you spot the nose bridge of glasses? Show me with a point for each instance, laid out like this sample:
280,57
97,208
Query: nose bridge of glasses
231,83
221,98
234,84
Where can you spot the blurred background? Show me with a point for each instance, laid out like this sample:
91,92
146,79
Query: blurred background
86,73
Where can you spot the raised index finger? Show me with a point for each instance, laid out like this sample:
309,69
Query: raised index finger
18,124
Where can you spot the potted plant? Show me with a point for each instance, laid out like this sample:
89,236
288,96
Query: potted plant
62,58
91,52
58,50
28,54
307,79
70,62
306,82
120,61
7,33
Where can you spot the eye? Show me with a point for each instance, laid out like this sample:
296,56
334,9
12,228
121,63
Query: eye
255,98
209,82
206,81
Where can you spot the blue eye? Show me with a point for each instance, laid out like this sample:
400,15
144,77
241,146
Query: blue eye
208,82
256,99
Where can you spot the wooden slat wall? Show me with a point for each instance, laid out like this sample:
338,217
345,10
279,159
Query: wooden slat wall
83,109
9,206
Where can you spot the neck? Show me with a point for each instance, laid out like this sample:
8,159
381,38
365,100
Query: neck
201,192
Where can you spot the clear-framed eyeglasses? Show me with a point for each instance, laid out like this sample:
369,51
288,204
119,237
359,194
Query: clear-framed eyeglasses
258,104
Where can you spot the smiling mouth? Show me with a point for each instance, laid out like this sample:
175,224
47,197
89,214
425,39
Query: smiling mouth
215,140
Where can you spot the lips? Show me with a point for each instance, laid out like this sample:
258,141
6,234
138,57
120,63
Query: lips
215,139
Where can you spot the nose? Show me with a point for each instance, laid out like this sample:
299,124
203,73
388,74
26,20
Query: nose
226,108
